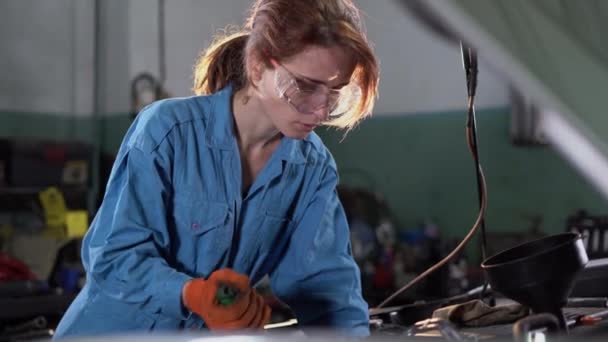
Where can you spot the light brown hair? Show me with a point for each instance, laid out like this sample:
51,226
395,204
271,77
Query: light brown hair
279,29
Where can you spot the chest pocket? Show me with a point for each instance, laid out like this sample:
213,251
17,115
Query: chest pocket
205,234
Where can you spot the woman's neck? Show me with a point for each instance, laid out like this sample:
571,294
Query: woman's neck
254,129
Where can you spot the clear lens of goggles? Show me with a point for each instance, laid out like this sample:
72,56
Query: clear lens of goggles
307,97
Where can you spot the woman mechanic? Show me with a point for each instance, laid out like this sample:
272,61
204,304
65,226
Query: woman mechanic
233,184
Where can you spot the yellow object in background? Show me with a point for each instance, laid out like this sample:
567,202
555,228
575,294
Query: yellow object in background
54,207
6,231
77,222
54,232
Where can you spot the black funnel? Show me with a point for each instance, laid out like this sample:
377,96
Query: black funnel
539,274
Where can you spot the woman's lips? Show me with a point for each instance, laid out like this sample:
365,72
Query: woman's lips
307,127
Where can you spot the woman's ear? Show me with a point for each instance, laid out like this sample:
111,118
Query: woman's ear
255,68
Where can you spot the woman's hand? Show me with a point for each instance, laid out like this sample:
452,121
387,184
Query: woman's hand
245,309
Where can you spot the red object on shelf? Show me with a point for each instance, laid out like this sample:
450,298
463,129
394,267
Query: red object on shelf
12,269
383,277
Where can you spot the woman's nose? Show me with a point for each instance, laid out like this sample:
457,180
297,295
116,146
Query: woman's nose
322,113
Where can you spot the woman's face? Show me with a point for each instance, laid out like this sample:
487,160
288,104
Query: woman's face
295,93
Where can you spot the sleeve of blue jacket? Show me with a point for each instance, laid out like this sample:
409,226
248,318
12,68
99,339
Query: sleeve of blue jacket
125,252
317,277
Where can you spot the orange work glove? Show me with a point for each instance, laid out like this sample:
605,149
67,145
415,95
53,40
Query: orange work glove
247,311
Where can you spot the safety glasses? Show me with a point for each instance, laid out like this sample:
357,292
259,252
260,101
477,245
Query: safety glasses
308,97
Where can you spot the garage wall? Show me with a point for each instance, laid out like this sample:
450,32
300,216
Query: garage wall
412,151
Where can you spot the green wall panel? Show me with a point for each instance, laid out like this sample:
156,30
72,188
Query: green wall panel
421,164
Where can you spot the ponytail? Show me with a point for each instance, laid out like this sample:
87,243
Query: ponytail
222,63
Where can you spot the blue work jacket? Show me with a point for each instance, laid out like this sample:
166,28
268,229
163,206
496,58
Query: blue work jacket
174,210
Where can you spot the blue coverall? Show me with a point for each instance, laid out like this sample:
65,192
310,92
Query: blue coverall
174,210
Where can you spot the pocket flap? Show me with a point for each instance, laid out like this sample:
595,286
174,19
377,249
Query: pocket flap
200,216
211,215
